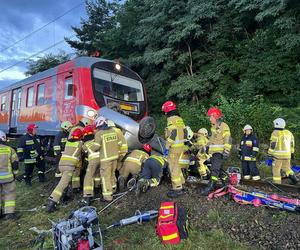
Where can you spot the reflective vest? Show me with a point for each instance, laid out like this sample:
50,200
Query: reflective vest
108,143
137,157
123,149
88,148
249,148
175,133
282,144
29,148
7,157
220,139
72,154
60,142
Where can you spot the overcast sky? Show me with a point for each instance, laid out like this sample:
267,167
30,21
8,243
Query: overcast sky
21,17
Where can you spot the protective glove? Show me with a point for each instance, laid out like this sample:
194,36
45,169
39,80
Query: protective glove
225,155
293,156
166,152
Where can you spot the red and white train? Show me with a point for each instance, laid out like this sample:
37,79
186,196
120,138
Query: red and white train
70,91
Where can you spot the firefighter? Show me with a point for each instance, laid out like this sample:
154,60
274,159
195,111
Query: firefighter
59,143
93,158
30,152
133,164
8,170
201,145
219,147
76,175
151,173
281,150
175,138
184,159
123,149
248,151
107,142
67,165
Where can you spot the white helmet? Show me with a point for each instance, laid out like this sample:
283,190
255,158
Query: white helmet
190,132
203,131
247,127
2,136
100,121
110,123
85,121
279,123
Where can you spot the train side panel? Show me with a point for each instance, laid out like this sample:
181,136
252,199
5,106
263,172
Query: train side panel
5,108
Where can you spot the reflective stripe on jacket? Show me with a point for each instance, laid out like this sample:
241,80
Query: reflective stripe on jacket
220,139
282,144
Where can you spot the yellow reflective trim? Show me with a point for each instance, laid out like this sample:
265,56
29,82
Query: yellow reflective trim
167,207
170,237
276,178
29,142
226,133
57,148
97,179
75,179
3,177
72,144
70,174
166,216
214,178
88,188
19,150
106,193
57,192
10,203
255,149
114,157
158,158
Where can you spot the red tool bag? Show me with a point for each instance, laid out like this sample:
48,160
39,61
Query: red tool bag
171,224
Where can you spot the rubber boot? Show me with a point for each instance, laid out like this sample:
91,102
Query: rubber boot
27,180
121,183
142,187
294,180
209,188
51,207
174,193
11,216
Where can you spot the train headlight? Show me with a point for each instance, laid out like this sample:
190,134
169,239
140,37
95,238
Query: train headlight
91,113
117,66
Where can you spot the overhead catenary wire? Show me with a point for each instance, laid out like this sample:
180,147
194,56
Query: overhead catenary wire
35,54
39,29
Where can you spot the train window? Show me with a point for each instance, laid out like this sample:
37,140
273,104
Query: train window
69,88
3,103
41,94
117,86
30,97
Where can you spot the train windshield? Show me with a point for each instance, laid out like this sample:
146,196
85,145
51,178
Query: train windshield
117,86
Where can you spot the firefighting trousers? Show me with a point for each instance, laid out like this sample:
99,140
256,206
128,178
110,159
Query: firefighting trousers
249,168
76,176
203,169
40,165
184,160
8,197
65,180
57,172
216,167
129,168
117,166
175,170
278,165
106,170
152,170
88,183
97,179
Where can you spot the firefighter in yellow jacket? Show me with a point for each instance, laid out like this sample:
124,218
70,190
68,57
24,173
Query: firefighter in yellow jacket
219,148
133,164
123,149
67,165
282,148
107,142
76,175
184,159
8,169
201,145
175,135
93,158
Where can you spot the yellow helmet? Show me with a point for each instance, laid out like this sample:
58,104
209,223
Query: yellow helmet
66,125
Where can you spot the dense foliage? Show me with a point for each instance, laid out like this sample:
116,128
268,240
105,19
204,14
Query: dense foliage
242,55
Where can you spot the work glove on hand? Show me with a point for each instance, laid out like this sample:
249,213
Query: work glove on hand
225,155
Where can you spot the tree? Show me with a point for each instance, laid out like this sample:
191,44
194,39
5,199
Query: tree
46,62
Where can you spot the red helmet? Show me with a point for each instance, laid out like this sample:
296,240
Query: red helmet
215,112
168,106
76,134
31,127
147,147
88,130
